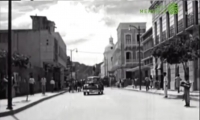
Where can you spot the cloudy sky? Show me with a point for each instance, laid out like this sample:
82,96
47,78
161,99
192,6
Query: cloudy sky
85,25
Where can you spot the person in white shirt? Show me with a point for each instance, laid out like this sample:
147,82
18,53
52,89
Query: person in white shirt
31,84
52,82
43,81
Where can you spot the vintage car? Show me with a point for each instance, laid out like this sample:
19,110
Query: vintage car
93,85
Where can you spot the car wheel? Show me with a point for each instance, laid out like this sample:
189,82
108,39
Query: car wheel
87,93
84,93
102,92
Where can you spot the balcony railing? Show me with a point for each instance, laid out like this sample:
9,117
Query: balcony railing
172,31
164,36
190,20
148,53
131,60
180,25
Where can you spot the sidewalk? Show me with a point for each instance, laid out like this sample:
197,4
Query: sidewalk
20,103
194,95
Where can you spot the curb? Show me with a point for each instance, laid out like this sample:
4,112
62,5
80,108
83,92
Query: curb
177,96
3,114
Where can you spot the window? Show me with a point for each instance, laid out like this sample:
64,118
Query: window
128,39
189,7
171,19
47,42
158,28
134,53
3,38
180,10
128,55
164,22
155,30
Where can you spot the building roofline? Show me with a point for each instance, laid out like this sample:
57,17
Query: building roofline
130,23
32,16
21,30
150,29
154,3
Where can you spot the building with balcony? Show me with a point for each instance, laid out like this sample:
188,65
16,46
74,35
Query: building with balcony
168,26
125,55
147,42
43,45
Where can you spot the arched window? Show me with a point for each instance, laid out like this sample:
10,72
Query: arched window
128,39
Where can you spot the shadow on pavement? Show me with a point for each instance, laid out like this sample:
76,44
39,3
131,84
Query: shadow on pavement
192,107
15,117
94,95
23,101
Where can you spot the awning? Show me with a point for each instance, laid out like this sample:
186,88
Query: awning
137,68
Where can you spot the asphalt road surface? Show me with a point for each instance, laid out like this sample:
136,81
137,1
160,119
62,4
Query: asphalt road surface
115,104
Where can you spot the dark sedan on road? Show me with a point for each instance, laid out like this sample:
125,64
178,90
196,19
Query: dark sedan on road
93,86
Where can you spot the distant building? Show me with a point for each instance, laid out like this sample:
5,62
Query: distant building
108,57
125,55
102,73
42,44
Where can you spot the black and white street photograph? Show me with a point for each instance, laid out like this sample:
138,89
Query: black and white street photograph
99,59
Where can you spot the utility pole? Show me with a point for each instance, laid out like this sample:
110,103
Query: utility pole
71,63
9,55
71,60
139,56
138,39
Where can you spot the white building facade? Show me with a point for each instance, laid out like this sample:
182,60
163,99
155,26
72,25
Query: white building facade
108,53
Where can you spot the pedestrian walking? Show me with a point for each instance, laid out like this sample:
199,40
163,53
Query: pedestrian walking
43,82
177,82
147,82
186,84
5,79
165,84
31,84
133,83
151,81
136,82
52,82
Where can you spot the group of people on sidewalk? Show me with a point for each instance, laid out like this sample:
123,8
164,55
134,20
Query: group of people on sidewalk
43,84
151,83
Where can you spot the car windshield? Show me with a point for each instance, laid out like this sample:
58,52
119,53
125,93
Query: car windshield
99,59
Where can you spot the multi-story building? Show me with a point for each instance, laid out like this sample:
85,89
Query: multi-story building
147,42
176,26
42,44
125,55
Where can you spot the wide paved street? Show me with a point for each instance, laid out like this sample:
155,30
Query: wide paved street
115,104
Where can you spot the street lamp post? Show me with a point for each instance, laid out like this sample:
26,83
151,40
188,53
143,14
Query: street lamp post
9,55
138,39
71,59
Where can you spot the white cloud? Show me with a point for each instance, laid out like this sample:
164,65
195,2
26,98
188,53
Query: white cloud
75,22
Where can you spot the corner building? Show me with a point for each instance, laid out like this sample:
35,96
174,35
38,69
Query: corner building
176,26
